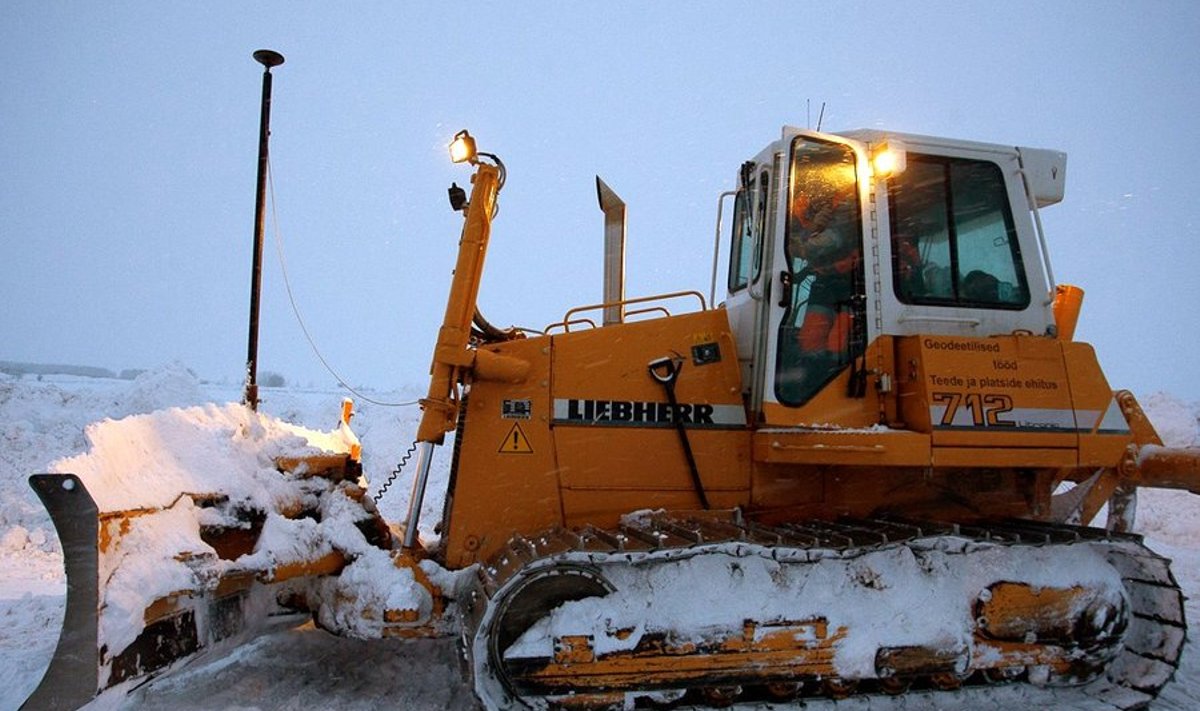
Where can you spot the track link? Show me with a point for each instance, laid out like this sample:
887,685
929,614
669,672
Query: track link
533,575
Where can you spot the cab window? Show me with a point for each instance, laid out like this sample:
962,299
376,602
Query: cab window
745,255
953,238
739,253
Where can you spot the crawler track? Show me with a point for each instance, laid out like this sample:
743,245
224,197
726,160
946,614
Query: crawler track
1121,662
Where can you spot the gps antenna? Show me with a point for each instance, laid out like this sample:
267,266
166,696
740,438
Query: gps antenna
268,58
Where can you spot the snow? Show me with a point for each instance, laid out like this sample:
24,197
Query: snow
49,423
161,465
145,461
136,445
351,602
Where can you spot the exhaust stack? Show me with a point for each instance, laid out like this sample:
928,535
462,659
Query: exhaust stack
614,252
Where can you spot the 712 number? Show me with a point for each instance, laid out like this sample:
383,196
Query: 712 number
985,409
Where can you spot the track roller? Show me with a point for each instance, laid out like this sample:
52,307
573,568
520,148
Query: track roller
720,696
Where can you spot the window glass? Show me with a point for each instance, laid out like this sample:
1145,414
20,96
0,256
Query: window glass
760,224
822,330
953,239
921,233
739,253
747,232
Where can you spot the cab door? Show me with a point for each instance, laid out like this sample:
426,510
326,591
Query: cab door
818,322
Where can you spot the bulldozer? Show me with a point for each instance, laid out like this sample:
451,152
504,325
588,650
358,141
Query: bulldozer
881,464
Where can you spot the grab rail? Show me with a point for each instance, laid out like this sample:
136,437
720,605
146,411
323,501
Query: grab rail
570,317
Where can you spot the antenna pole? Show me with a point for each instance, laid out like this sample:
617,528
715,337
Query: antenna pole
268,59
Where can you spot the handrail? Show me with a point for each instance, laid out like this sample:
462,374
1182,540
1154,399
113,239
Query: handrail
568,320
712,289
649,309
563,325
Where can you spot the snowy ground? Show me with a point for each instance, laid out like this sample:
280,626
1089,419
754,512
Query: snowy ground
43,420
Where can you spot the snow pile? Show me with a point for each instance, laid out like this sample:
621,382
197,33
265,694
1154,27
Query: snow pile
171,385
1177,422
41,421
146,461
44,420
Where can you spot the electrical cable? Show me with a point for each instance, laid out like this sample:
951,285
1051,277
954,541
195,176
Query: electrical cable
499,164
395,473
503,176
296,309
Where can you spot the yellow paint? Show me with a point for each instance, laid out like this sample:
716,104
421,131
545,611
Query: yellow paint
451,356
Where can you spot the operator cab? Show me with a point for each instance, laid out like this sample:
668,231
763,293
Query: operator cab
841,239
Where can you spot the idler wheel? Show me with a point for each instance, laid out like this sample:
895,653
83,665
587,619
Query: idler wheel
520,607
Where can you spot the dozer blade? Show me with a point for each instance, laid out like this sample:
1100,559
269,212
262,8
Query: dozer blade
71,681
171,629
206,526
151,588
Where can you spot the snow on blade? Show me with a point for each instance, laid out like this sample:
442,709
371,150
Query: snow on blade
146,461
154,469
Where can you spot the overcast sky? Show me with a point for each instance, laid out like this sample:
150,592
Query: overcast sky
128,134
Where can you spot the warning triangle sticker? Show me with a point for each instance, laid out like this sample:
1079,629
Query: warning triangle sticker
516,442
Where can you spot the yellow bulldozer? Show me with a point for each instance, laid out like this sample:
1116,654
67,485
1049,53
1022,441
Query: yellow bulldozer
874,467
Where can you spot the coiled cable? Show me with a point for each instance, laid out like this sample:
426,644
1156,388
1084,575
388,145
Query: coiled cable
395,472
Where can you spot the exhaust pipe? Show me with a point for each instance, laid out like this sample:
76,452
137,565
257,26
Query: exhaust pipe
614,252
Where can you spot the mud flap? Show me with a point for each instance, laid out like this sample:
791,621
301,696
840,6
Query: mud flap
72,677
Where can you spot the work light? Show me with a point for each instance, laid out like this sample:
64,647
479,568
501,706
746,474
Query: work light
462,148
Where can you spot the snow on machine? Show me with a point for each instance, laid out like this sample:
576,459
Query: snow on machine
872,468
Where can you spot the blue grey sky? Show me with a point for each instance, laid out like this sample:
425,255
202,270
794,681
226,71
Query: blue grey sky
128,135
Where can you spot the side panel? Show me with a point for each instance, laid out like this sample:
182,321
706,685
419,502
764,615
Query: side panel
975,427
985,427
1103,432
617,444
1007,391
506,478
